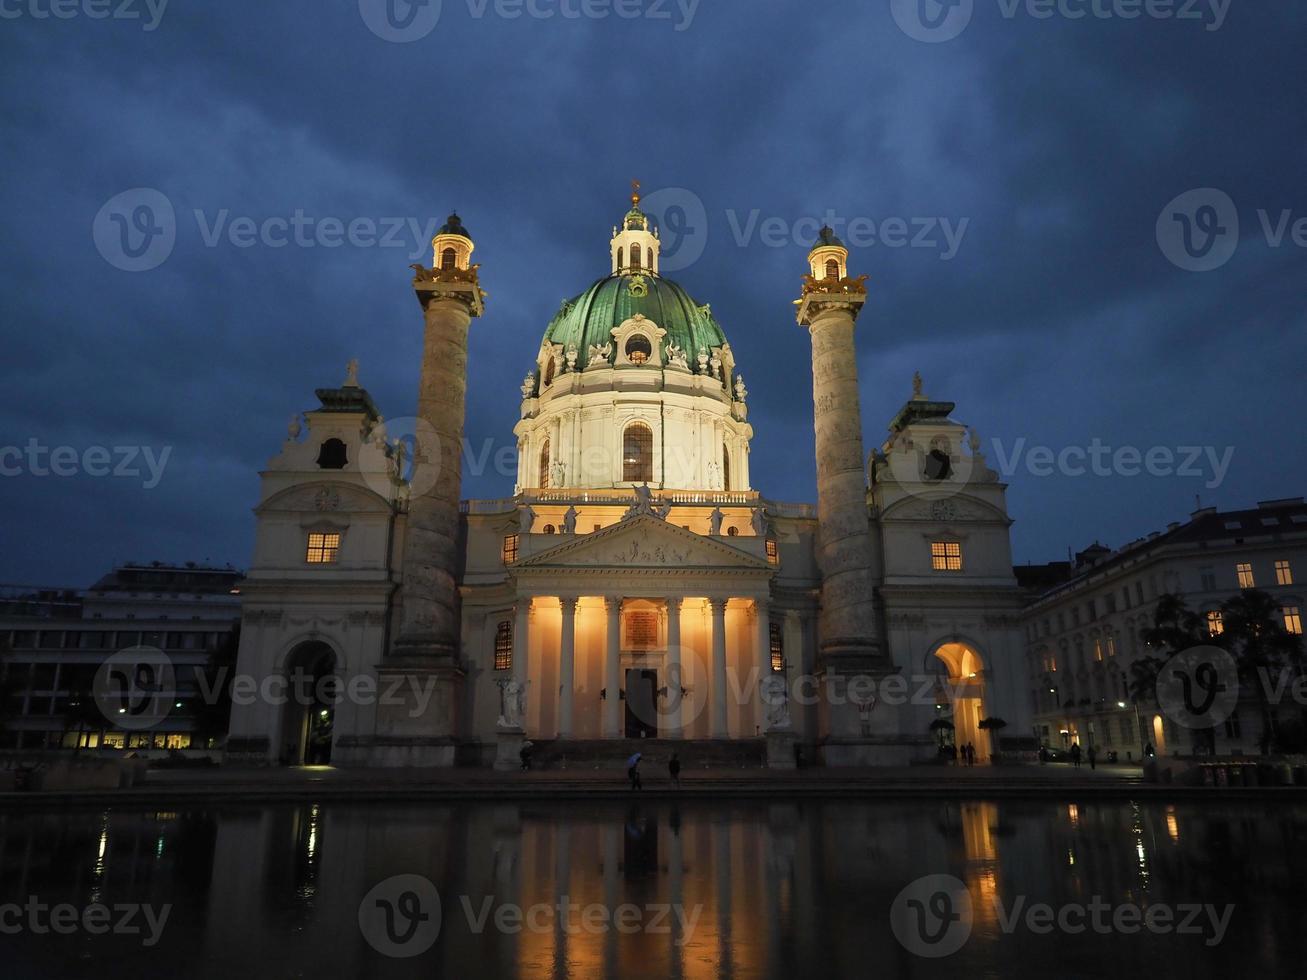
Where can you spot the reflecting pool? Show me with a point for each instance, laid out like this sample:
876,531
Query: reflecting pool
742,889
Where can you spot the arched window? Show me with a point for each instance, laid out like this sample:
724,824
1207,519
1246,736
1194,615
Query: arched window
550,529
635,257
777,647
448,259
637,453
332,455
732,531
504,646
621,257
543,477
726,467
832,268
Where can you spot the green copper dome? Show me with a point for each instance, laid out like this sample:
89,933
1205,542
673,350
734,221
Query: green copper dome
589,319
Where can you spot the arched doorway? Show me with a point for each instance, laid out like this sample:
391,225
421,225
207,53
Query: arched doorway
308,715
965,697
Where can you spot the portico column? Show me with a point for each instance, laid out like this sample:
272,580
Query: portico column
566,665
719,729
613,668
674,680
521,637
762,654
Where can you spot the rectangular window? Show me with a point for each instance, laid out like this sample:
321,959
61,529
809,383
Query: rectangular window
1139,592
1283,572
1215,623
777,648
1232,726
1093,610
509,551
1110,641
773,556
946,556
1292,619
323,548
504,646
1207,579
1245,572
1098,649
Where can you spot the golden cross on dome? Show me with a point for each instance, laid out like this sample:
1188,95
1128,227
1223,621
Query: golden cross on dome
635,193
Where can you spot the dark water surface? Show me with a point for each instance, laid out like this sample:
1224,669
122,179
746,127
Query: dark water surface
730,890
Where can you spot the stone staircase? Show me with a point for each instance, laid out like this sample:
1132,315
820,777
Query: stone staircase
612,753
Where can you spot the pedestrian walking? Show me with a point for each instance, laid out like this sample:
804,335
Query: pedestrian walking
633,771
1093,756
1075,755
674,769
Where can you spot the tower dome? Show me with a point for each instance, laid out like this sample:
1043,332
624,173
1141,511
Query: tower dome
634,382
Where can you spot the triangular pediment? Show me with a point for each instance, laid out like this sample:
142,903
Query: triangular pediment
643,542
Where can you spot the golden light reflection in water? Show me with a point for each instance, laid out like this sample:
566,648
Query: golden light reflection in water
1172,827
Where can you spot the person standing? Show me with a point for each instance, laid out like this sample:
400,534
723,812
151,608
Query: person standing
633,771
1075,755
674,769
1093,756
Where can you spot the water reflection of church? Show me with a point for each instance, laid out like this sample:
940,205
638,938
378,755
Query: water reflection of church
635,584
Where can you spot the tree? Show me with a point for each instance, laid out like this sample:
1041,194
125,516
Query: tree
1175,629
1264,650
993,726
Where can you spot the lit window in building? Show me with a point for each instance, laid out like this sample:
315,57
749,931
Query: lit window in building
1215,623
1110,641
726,468
637,453
1292,619
550,529
448,259
832,269
542,476
1283,572
504,646
323,548
638,349
773,556
509,551
1098,649
946,556
732,531
635,257
1245,571
777,648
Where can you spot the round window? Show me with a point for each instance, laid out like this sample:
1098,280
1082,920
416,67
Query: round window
638,349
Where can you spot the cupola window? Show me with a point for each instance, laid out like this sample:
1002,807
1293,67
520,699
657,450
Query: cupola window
448,259
635,256
832,268
543,476
638,349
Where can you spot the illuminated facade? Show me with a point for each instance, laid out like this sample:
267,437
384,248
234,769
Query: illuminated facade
635,585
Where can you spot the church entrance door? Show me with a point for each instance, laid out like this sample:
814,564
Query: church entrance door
641,703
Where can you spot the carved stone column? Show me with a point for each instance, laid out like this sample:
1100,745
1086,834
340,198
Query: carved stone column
425,657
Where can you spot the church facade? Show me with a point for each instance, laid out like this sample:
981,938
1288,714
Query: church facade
636,585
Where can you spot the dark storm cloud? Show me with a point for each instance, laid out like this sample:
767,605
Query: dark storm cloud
1058,321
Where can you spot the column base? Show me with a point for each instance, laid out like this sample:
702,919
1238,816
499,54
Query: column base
508,751
417,716
395,752
780,749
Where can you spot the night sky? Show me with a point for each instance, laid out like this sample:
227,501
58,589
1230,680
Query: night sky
1056,147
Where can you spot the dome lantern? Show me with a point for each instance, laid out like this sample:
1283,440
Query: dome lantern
634,246
452,247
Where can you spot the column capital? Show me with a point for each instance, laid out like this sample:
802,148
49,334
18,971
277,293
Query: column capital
568,602
460,285
674,603
613,603
717,604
